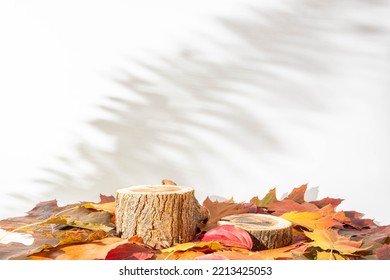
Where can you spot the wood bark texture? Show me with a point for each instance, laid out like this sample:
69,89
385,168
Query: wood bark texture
267,232
161,214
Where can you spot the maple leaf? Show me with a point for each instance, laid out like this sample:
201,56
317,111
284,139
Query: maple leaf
84,231
326,201
297,194
372,238
272,254
95,250
78,236
310,220
324,255
267,199
92,221
200,246
108,207
217,210
183,250
329,239
189,255
40,212
179,255
356,220
280,207
229,235
44,210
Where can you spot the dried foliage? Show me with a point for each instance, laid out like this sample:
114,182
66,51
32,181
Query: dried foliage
87,231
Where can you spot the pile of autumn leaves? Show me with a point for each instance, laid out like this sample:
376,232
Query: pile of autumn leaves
87,231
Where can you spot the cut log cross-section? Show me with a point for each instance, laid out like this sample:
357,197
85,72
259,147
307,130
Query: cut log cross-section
161,214
267,232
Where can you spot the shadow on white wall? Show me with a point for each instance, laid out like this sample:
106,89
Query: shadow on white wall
266,106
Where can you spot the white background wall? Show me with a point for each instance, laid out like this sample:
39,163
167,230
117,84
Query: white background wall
230,97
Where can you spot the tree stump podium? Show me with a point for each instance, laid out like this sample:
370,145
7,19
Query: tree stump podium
161,214
266,231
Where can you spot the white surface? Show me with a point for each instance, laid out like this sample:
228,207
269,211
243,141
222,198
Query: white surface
238,97
8,237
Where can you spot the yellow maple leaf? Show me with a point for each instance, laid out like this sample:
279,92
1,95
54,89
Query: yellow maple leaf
304,219
210,245
329,239
325,255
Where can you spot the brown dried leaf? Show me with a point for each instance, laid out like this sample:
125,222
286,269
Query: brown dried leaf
218,210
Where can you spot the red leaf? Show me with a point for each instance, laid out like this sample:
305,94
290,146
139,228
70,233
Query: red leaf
229,235
130,251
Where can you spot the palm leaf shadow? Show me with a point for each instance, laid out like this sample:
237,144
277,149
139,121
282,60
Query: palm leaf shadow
203,119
